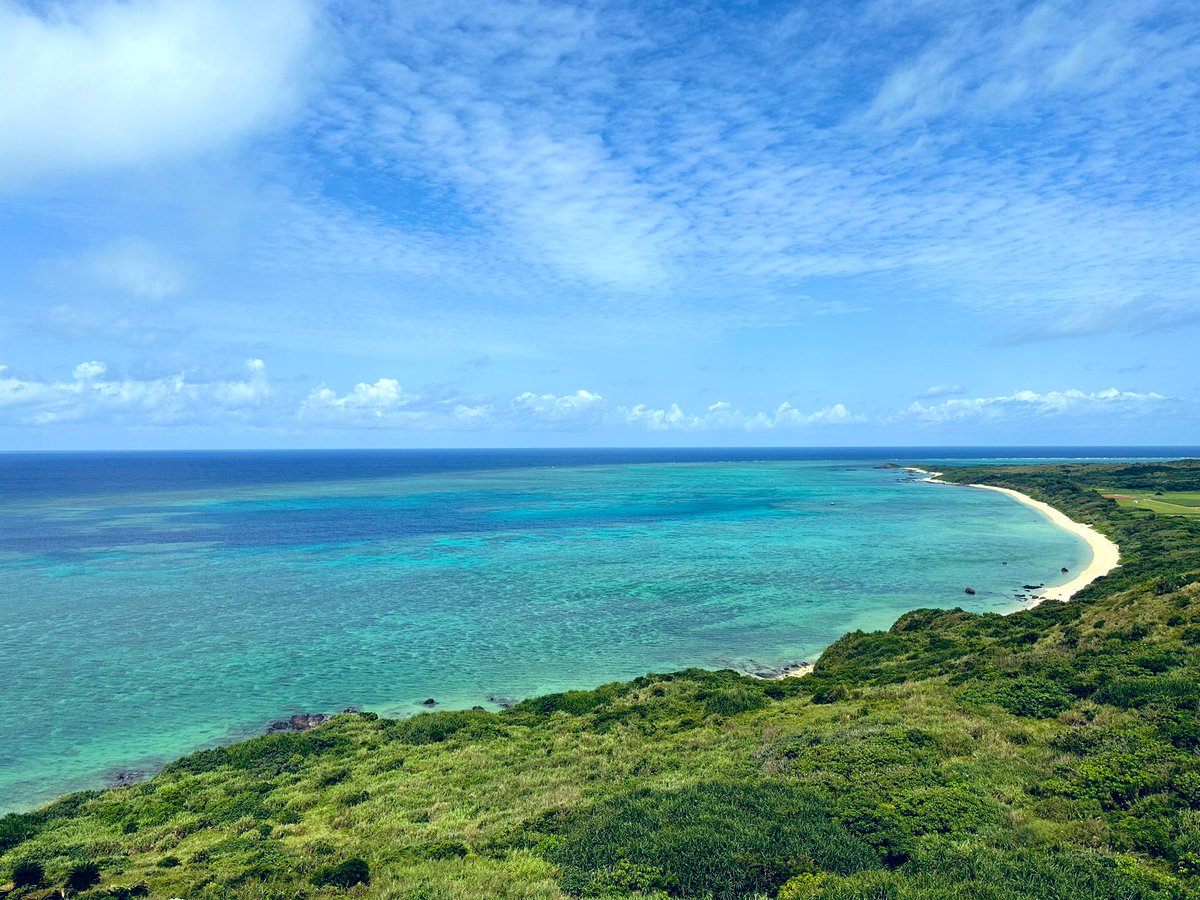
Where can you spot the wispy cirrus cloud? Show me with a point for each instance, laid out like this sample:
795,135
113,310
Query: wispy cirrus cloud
987,159
131,267
943,390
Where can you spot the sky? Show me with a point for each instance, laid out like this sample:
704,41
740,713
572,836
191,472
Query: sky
434,223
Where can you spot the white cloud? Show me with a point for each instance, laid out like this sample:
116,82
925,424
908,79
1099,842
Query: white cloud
93,394
1027,404
944,390
670,419
728,161
101,84
385,404
172,400
87,370
579,407
722,416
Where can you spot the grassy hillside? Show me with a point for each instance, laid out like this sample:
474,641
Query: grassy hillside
1048,754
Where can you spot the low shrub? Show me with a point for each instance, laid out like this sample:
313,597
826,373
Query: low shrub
345,874
1033,697
835,694
444,850
82,876
732,702
434,728
28,873
720,839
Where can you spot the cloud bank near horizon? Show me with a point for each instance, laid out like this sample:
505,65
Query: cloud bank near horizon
251,399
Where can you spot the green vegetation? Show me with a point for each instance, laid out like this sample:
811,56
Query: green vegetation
1053,753
1167,503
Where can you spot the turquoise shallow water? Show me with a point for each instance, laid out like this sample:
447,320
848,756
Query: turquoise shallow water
156,616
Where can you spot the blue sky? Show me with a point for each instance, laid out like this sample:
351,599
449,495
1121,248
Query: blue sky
508,223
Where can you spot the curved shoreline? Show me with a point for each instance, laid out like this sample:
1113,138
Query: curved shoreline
1106,555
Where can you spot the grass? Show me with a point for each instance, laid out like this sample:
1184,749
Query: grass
1167,503
1051,753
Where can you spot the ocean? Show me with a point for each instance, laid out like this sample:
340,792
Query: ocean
156,603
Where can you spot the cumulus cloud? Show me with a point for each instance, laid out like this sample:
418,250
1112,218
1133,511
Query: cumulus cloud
172,400
722,416
94,394
577,408
87,370
1027,404
101,84
385,404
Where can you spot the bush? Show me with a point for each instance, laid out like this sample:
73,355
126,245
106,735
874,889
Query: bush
83,876
732,702
266,756
1037,698
123,892
28,873
344,875
732,840
16,828
575,703
444,850
1130,693
434,728
834,694
354,799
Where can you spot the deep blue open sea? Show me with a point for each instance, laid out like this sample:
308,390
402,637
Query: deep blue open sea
155,603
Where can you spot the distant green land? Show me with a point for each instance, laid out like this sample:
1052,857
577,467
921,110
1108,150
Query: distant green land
1168,503
1052,753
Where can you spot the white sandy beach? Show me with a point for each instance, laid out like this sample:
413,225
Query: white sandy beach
1106,555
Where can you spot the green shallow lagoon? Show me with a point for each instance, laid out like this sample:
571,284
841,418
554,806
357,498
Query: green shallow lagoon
143,622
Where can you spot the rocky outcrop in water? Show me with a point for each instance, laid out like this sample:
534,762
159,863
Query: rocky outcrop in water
299,722
123,777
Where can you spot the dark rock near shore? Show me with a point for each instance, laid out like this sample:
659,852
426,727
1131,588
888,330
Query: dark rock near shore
429,702
1064,568
123,777
969,590
1033,587
478,709
502,702
299,722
